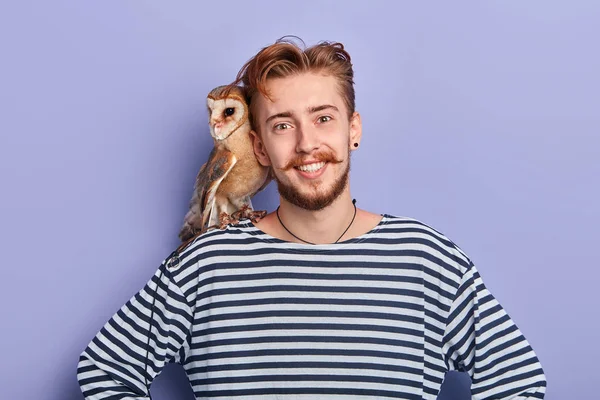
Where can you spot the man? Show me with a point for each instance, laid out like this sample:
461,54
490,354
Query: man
320,299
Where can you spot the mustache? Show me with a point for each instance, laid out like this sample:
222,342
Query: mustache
324,156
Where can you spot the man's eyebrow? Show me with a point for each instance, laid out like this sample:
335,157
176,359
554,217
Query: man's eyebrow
286,114
315,109
311,110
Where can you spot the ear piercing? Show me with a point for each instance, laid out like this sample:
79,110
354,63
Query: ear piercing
355,144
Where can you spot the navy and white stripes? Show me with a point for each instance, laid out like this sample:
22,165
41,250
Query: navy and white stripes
249,316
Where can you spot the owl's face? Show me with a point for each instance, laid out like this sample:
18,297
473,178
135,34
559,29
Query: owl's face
225,115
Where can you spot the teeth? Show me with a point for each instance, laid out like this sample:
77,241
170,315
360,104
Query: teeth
311,167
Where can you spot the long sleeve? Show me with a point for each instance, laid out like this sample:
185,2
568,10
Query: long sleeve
116,364
481,339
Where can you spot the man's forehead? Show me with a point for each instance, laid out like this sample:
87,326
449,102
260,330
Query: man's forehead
299,94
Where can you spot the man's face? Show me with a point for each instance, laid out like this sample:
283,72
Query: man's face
305,136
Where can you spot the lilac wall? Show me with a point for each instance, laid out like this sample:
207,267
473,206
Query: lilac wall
481,119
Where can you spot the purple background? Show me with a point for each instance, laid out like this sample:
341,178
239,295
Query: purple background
480,118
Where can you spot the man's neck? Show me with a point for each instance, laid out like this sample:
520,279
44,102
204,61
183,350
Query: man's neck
323,226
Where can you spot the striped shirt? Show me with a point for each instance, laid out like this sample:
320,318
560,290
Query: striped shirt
249,316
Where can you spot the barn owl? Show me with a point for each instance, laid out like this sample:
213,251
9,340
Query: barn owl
232,174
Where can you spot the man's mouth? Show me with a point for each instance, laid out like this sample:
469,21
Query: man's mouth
311,167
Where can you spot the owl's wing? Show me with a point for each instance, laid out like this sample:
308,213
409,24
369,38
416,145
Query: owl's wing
248,199
219,164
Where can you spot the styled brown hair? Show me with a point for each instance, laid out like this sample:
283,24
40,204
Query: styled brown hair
285,58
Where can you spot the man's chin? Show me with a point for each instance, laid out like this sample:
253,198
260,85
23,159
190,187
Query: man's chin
316,199
313,203
310,201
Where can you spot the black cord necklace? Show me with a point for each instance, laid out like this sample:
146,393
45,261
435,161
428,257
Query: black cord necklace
302,240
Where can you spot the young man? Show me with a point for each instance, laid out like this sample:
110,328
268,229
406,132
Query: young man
318,300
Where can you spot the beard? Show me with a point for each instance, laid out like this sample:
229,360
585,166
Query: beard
318,200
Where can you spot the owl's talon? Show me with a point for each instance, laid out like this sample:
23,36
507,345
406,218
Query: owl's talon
224,220
245,212
256,216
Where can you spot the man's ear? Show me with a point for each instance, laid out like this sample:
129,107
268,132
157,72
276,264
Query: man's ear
355,130
259,149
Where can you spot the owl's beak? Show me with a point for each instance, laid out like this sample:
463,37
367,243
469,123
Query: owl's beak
217,123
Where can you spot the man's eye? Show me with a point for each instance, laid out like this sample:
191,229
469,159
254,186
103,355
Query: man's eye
229,111
282,126
324,118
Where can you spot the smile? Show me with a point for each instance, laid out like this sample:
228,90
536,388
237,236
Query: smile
311,167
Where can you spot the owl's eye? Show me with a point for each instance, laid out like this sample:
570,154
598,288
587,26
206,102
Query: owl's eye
229,111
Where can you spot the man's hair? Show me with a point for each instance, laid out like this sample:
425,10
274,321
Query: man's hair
285,58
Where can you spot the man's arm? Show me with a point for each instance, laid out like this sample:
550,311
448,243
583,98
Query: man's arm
481,339
123,358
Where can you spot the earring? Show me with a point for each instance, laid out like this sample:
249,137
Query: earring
355,144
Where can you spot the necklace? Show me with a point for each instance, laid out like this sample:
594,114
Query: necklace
338,239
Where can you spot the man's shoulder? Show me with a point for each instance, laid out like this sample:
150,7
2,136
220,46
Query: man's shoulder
401,223
406,226
215,240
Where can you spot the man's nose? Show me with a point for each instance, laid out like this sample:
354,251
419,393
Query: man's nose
308,140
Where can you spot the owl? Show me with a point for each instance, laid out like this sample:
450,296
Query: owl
232,174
